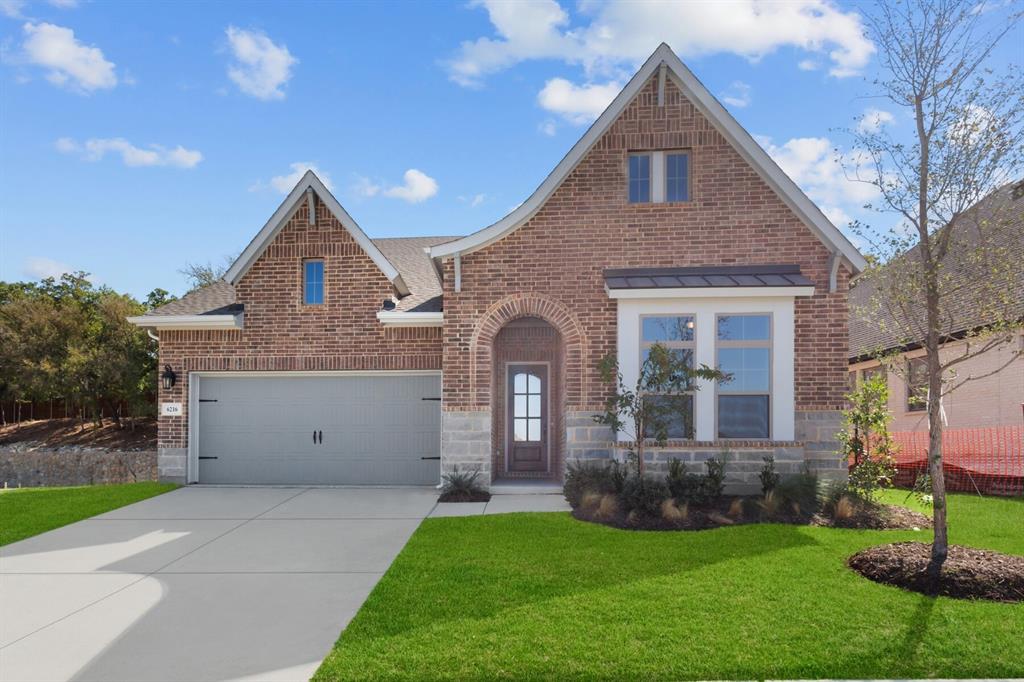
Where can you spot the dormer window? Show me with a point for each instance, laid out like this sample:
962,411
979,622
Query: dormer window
313,282
657,177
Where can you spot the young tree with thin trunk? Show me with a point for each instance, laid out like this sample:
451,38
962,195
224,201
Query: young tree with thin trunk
964,143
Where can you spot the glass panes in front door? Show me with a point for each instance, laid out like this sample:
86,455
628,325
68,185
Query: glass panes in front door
526,407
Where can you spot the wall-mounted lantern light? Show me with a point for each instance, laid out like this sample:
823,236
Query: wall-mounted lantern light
168,378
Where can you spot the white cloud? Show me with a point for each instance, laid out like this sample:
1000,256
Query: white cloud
474,200
418,187
12,8
548,127
41,268
815,165
69,62
64,4
577,104
621,33
738,95
261,67
808,65
286,183
95,149
873,120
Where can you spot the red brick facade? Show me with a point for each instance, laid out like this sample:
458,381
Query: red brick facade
587,225
281,333
550,268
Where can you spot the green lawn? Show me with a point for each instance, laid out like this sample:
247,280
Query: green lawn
546,596
25,512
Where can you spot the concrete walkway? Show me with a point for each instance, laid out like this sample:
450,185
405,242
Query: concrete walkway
208,583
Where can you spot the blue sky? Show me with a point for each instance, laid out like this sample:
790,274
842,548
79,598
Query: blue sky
136,137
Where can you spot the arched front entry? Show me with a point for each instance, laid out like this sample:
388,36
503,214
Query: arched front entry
527,401
526,349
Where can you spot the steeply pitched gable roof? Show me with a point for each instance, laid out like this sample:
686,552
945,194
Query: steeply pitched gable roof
284,212
706,103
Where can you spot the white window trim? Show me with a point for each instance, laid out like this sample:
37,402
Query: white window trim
704,310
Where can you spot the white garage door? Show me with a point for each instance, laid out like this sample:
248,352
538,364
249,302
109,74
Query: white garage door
374,429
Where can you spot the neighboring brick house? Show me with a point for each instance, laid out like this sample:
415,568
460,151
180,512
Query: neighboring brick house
327,357
995,395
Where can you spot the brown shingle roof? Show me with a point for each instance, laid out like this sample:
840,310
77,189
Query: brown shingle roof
405,253
966,305
218,297
408,256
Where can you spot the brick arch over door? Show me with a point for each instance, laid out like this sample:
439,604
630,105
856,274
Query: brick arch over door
514,307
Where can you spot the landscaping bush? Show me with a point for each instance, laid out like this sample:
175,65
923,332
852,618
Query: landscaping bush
714,480
582,478
644,495
769,477
463,486
697,489
799,493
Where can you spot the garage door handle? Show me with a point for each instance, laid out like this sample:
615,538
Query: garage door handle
314,436
321,437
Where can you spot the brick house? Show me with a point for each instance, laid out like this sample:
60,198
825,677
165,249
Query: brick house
328,357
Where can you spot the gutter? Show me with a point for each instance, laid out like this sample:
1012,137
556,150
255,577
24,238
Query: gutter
188,321
394,318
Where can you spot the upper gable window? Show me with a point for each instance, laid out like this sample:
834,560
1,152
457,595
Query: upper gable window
639,178
313,282
657,177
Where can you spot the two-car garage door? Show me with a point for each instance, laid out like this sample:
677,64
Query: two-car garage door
342,429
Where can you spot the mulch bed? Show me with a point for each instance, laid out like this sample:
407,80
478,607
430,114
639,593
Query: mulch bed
967,573
46,434
459,496
882,517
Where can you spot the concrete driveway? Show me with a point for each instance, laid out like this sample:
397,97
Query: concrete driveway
200,584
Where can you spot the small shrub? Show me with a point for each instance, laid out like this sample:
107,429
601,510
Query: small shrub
463,486
683,486
769,477
845,508
799,493
644,495
714,480
684,511
670,512
608,508
591,477
591,501
770,505
735,508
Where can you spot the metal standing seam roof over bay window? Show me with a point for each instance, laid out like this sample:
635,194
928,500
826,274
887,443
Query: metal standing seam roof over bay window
757,280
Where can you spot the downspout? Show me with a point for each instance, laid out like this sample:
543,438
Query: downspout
458,272
152,335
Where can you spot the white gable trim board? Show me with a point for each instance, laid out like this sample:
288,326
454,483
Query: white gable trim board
284,213
710,107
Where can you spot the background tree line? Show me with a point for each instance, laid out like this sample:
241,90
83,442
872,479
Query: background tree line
68,340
